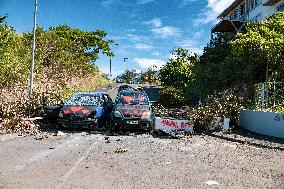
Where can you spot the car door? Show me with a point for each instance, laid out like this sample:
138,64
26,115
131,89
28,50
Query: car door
52,105
109,102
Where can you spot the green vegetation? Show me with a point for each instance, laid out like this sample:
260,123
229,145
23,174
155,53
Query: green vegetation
176,77
226,68
64,64
150,76
128,75
261,46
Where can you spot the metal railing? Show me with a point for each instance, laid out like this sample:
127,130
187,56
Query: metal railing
269,96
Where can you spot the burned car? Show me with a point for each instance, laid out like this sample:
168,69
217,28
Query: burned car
132,111
89,110
125,88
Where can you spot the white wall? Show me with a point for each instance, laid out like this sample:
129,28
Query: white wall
266,123
265,11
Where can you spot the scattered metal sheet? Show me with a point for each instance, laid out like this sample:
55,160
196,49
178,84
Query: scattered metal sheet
171,124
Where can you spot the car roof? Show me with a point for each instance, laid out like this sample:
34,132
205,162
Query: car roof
131,92
90,93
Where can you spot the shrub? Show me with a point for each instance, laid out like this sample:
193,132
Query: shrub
226,104
172,97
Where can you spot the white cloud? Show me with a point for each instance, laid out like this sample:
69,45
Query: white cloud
192,44
163,31
105,69
137,38
156,53
156,22
107,3
141,2
186,43
187,2
141,46
147,63
212,11
167,31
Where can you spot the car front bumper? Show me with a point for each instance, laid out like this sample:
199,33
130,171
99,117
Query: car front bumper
78,124
133,124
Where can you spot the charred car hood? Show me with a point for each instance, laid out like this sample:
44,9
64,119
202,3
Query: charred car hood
132,111
80,111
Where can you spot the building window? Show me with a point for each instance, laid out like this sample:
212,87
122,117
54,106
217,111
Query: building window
242,9
254,3
236,14
232,16
281,7
257,2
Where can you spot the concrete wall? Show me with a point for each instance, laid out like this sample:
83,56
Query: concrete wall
266,123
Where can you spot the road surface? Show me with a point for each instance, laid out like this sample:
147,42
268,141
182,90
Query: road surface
90,160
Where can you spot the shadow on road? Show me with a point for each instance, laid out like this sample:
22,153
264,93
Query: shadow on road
243,136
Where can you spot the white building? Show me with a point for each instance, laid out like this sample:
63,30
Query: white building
242,11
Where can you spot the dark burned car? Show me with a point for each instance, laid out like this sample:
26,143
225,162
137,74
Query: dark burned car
83,110
132,111
125,88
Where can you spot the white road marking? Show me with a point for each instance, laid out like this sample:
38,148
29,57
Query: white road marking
65,177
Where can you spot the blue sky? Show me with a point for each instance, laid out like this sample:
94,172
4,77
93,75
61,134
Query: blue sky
146,30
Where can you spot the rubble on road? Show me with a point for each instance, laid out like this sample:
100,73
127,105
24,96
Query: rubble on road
177,134
212,182
60,133
120,150
42,136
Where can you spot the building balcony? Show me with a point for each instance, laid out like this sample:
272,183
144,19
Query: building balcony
231,26
271,2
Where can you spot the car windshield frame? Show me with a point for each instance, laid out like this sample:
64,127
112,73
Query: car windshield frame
132,98
83,100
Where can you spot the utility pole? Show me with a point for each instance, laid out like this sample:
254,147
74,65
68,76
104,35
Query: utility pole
33,59
109,73
110,70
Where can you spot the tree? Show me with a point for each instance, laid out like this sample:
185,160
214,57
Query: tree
210,73
261,47
128,75
2,18
150,76
63,53
178,71
176,77
64,64
12,66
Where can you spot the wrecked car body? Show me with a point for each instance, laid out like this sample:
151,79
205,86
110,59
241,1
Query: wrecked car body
88,110
132,111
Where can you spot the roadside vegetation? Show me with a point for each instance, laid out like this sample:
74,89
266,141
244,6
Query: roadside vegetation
150,76
64,64
225,78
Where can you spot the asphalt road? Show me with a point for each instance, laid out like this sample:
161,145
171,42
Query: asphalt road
90,160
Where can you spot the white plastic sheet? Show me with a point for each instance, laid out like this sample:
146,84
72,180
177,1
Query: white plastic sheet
168,124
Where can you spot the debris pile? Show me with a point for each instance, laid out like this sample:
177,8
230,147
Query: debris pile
22,126
177,113
177,134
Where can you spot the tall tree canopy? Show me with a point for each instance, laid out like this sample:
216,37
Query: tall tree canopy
261,46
